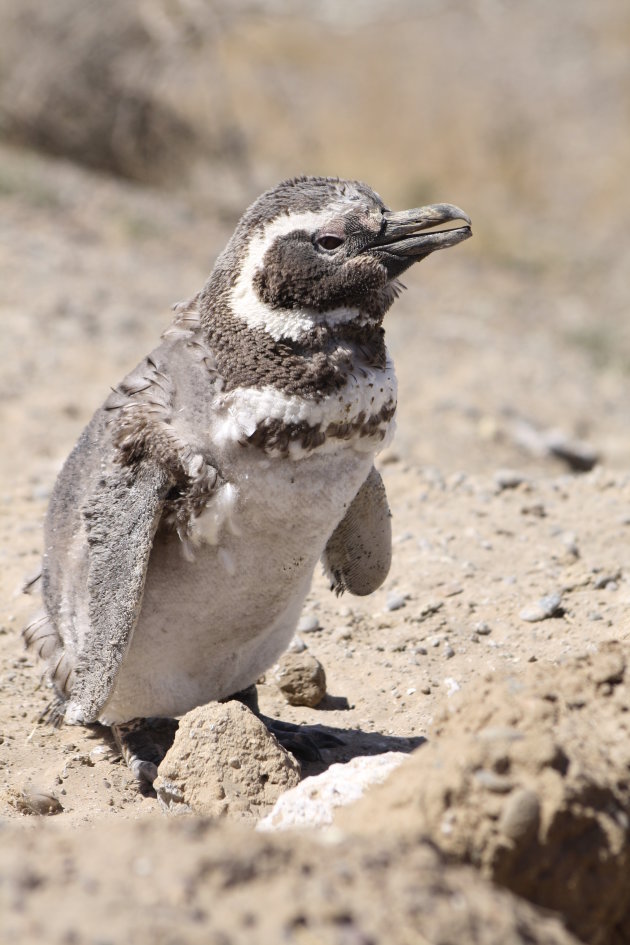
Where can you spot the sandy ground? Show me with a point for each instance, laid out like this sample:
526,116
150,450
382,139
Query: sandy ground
487,370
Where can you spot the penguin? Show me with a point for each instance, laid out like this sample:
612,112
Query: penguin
184,529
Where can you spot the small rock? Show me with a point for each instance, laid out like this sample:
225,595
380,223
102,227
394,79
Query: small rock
449,652
491,781
296,645
224,763
102,753
308,623
577,454
342,634
544,608
388,457
312,803
536,509
508,479
430,608
452,686
34,800
482,628
300,678
395,601
570,543
606,581
520,817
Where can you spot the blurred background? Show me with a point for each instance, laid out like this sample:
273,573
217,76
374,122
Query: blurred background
133,135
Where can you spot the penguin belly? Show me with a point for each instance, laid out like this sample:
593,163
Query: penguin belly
210,626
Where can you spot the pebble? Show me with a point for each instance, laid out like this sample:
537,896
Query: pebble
102,753
308,623
536,509
508,479
300,678
452,686
297,645
482,628
521,814
491,781
36,801
542,609
578,454
606,581
431,607
342,634
449,652
395,601
570,543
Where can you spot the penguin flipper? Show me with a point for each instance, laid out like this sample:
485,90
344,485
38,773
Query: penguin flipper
121,520
358,554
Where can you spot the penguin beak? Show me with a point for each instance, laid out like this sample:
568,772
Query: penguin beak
403,240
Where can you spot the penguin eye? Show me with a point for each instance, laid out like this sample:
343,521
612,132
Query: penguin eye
328,241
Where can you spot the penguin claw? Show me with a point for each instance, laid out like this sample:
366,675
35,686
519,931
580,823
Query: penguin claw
143,744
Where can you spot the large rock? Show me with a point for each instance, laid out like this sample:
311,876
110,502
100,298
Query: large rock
224,763
529,781
313,802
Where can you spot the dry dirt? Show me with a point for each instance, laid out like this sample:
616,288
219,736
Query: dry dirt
476,548
527,779
513,355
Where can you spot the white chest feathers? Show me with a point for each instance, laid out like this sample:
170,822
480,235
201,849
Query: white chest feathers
360,414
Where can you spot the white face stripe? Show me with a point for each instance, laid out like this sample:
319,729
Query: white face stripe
281,323
243,409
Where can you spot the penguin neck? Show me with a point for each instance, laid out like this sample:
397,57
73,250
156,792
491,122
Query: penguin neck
316,363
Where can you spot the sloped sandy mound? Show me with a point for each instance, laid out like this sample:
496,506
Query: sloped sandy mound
185,881
529,780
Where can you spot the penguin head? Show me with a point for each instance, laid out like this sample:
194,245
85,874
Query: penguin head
321,251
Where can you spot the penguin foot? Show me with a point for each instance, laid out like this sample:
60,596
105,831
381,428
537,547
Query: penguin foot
143,744
304,742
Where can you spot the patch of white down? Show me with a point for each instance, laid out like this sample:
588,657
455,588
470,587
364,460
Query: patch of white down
281,323
218,514
366,392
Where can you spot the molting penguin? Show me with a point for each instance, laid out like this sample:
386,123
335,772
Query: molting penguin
185,526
